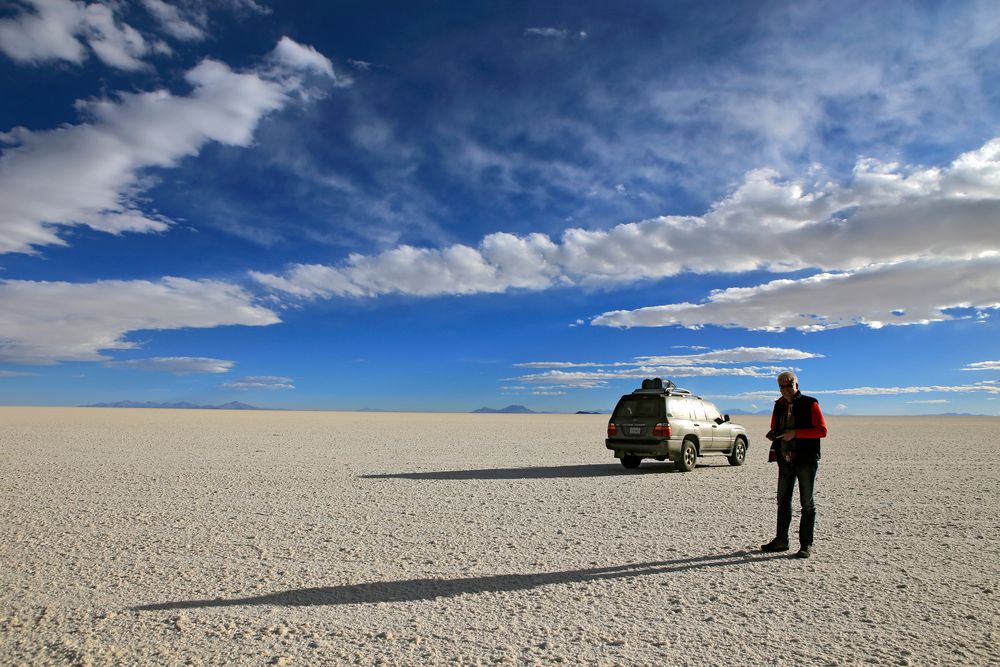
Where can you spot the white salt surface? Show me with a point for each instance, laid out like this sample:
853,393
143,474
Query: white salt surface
205,537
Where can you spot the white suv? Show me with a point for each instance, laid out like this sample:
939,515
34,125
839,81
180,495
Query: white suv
661,421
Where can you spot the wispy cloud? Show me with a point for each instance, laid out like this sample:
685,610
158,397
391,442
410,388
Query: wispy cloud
93,173
596,378
983,366
930,401
703,364
60,29
986,386
561,150
260,383
872,236
15,374
175,22
301,57
47,322
362,65
792,73
731,355
176,365
913,292
70,31
554,33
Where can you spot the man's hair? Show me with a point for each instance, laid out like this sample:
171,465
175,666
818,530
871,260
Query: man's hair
788,376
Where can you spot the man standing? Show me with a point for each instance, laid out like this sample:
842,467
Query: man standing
797,424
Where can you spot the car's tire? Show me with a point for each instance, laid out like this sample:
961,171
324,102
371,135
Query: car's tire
688,457
739,454
630,461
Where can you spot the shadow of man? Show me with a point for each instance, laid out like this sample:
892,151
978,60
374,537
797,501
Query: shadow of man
409,590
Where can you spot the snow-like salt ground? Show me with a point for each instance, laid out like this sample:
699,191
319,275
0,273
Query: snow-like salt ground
203,537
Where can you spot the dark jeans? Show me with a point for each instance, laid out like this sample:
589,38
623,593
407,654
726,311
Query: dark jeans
805,473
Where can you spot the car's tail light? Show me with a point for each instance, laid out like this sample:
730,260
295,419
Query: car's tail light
661,430
612,429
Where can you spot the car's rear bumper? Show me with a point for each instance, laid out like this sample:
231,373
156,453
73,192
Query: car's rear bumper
646,448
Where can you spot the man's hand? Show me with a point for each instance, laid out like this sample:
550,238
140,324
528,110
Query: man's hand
788,435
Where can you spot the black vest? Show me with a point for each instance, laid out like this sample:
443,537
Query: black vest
806,449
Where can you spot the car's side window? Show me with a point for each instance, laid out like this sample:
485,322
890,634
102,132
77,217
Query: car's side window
698,410
678,408
712,412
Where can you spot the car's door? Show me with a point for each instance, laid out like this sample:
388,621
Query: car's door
701,422
722,433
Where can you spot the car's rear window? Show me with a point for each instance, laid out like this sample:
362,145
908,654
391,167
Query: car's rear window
639,407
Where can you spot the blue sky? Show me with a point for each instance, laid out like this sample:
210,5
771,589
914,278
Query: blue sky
449,205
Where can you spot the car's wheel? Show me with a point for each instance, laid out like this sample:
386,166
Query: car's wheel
739,454
630,461
689,455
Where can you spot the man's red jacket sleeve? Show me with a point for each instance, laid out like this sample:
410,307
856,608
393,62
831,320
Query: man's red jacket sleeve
818,429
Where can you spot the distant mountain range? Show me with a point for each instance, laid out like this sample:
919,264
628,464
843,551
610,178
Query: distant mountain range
509,410
232,405
521,410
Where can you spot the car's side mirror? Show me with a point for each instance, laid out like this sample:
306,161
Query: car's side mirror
725,417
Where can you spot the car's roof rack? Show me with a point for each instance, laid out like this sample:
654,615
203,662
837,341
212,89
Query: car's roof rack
659,386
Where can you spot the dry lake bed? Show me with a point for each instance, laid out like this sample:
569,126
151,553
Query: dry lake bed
300,538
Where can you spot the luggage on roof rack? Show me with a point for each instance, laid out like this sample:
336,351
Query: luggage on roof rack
659,386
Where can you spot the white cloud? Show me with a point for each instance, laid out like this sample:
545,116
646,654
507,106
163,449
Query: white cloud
47,322
502,261
913,292
673,366
802,85
60,30
302,57
116,44
588,378
983,366
888,218
988,387
176,365
56,30
14,374
930,401
93,173
731,355
572,364
173,21
251,6
557,33
362,65
260,382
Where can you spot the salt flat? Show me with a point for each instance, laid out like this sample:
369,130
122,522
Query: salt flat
205,537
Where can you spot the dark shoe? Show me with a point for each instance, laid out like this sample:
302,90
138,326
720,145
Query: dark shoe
775,545
805,551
